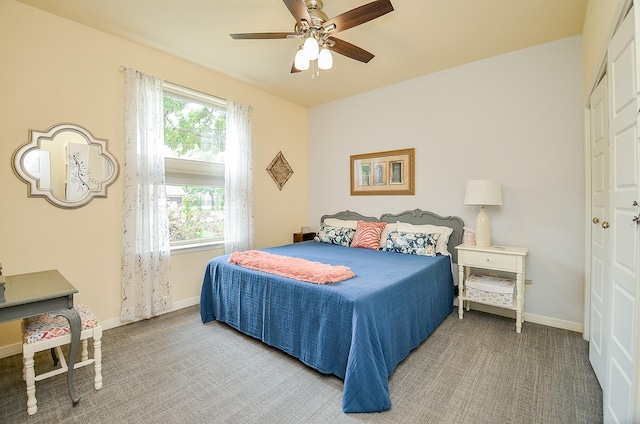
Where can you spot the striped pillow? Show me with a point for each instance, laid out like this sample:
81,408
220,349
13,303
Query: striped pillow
368,235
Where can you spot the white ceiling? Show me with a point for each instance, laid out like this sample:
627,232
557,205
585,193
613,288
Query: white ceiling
417,38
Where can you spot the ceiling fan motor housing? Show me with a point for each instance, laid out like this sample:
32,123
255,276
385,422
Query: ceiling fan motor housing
315,11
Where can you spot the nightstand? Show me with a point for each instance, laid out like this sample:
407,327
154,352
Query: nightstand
492,258
297,237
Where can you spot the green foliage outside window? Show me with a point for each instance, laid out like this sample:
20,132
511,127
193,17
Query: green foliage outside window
194,131
197,132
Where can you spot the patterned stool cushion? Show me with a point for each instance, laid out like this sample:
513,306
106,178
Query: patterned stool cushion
45,326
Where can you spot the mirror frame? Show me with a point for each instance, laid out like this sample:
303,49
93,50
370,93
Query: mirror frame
35,139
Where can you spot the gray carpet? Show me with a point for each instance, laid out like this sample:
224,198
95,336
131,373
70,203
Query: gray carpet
174,369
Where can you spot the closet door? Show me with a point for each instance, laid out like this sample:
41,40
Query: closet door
600,246
621,387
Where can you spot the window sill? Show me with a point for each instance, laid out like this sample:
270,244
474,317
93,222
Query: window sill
196,247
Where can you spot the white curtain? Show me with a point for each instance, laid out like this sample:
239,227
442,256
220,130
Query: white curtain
146,288
238,180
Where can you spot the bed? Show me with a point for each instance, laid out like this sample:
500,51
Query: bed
358,329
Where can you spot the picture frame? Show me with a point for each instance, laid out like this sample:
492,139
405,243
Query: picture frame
383,173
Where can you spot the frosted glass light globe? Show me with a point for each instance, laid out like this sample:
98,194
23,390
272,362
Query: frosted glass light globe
325,59
301,62
311,48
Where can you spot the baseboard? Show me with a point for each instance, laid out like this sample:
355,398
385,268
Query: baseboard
117,322
10,350
554,322
16,348
536,319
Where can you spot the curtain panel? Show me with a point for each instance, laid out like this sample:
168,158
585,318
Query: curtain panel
238,193
146,286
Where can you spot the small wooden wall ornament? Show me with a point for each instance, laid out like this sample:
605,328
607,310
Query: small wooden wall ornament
280,170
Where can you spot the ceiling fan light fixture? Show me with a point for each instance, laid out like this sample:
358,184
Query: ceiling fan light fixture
311,48
316,31
301,62
325,59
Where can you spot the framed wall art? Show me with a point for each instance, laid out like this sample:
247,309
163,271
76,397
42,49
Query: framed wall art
383,173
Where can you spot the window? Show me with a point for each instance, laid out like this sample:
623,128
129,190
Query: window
194,139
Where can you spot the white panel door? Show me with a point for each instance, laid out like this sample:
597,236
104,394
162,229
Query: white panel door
600,286
619,394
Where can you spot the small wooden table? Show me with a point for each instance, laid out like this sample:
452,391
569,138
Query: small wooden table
298,237
36,293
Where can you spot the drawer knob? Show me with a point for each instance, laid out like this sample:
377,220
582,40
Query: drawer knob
488,260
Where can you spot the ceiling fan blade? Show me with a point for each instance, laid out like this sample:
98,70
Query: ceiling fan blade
359,15
262,35
294,70
298,9
350,50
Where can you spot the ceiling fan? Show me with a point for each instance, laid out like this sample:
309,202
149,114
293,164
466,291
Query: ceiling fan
315,27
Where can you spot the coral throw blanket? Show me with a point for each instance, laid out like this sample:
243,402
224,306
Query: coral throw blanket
296,268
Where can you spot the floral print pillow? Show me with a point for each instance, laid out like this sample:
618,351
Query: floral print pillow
342,236
412,243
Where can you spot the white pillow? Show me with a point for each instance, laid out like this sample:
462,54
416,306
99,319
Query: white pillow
385,234
335,222
443,240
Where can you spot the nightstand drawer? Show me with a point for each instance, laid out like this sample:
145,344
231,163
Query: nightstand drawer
489,260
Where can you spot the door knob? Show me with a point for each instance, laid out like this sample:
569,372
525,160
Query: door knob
605,225
595,220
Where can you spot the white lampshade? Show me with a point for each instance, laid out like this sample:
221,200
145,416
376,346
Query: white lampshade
311,48
483,193
325,60
301,62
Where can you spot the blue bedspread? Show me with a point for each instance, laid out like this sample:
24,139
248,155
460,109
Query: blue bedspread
359,329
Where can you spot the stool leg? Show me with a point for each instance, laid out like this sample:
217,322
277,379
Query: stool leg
54,356
30,378
84,353
97,356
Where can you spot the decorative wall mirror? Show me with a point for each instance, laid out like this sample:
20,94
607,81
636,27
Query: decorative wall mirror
66,165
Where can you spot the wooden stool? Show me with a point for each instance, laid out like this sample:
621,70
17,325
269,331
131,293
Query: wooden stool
43,332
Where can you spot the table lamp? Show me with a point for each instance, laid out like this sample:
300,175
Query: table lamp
483,193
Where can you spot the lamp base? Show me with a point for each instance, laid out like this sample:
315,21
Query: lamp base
483,229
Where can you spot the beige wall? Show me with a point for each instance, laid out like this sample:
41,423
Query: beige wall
54,70
599,24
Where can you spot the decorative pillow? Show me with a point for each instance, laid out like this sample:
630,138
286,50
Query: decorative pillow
335,235
385,233
335,222
368,235
445,232
412,243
